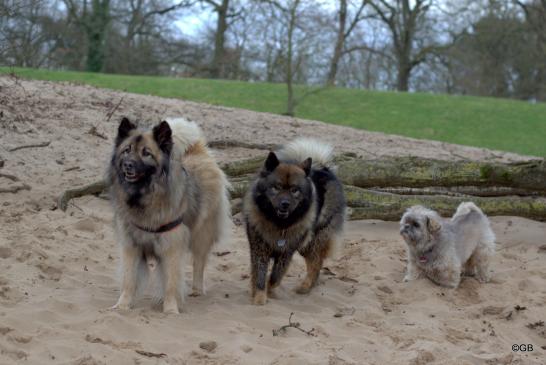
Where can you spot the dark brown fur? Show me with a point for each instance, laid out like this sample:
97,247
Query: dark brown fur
309,222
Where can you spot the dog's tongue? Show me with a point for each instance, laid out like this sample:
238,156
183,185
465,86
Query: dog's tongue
423,259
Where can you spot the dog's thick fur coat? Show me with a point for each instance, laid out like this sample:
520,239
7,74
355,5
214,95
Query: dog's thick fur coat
443,249
295,204
158,178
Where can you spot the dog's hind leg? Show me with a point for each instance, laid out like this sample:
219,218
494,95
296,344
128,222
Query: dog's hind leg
130,256
202,242
481,258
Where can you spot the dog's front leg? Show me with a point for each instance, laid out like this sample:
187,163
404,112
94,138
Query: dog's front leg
413,272
130,255
172,257
259,265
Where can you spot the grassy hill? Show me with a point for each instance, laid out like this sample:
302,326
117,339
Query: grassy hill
502,124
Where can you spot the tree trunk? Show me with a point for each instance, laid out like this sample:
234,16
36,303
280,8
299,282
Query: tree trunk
96,25
290,102
217,67
524,177
403,76
340,42
418,173
367,204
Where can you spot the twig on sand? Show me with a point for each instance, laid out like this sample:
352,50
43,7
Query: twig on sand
10,177
94,132
42,144
14,189
295,325
111,112
150,354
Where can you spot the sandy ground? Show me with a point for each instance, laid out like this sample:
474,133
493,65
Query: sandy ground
58,270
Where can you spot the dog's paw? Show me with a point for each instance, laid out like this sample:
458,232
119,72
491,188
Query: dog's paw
171,309
303,289
195,293
170,305
121,305
260,298
271,293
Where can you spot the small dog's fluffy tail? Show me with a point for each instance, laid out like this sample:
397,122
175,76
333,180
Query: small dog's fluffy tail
322,154
466,208
185,133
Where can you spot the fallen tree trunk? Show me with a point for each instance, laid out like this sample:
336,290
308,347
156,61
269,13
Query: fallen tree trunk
525,178
368,204
397,183
419,173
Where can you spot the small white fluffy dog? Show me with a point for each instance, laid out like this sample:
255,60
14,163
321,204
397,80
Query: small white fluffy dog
441,249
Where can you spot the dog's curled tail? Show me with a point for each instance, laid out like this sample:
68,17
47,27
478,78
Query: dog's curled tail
466,208
321,153
185,133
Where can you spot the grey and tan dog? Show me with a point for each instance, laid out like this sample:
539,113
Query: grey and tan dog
296,204
443,249
169,198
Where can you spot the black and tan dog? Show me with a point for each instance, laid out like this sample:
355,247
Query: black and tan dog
169,198
295,204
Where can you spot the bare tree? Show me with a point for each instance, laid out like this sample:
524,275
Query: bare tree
93,19
144,27
226,11
404,21
344,30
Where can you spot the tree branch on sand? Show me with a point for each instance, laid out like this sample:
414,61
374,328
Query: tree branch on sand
295,325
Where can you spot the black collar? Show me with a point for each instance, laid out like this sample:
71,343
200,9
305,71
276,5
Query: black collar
162,229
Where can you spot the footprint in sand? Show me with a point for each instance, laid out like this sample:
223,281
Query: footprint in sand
51,272
5,252
87,225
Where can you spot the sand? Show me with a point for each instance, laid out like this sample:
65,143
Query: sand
59,270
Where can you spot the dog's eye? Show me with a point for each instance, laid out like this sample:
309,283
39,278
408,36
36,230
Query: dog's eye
126,150
294,190
416,225
146,152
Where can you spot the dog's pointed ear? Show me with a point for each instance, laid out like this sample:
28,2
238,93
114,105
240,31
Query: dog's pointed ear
271,162
125,127
306,166
163,135
433,225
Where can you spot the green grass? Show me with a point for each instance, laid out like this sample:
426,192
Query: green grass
501,124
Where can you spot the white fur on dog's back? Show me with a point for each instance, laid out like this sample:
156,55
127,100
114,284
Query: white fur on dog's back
465,208
322,154
185,133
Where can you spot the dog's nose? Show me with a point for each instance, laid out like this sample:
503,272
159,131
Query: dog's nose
128,165
284,204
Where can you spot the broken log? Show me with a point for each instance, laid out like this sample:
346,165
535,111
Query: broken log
477,178
368,204
91,189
